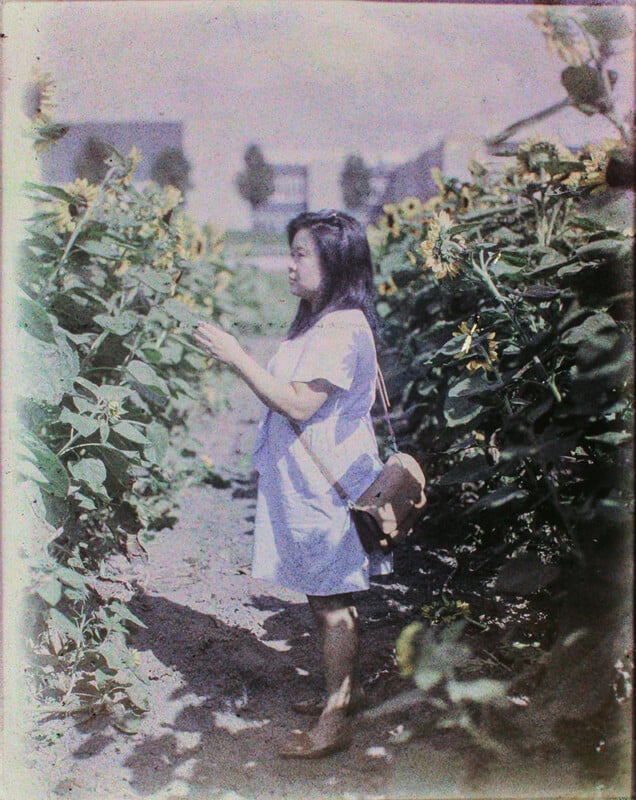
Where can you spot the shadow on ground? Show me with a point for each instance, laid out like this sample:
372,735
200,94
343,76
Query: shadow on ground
229,710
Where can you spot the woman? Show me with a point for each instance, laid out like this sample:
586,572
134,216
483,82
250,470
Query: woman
321,382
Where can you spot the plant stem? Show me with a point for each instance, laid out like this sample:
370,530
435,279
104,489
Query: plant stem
522,123
85,217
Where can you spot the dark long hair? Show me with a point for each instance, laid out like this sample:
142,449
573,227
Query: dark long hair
345,258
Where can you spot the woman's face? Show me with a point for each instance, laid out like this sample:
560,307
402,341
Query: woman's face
305,271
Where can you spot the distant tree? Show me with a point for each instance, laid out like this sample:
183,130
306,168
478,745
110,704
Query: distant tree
90,162
172,168
355,182
256,183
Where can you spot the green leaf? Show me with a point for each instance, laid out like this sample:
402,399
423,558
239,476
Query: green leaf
146,376
130,432
186,388
606,23
159,442
601,250
108,391
393,261
460,411
473,216
92,472
93,388
50,472
125,613
152,355
137,693
69,577
471,470
34,319
63,625
171,352
593,326
85,502
181,312
427,677
50,591
157,281
47,244
54,191
475,384
116,655
84,406
119,325
482,690
100,249
196,361
50,367
499,498
612,438
84,425
128,722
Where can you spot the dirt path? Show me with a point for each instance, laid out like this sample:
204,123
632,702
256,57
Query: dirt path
225,655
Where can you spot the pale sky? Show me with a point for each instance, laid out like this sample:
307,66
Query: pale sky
306,79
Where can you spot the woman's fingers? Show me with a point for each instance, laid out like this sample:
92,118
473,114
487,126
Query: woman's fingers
215,341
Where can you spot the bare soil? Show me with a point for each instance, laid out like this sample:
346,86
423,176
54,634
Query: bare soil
225,655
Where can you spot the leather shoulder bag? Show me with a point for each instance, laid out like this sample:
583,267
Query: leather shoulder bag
389,509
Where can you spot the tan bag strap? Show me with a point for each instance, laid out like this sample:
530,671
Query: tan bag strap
324,471
384,397
327,475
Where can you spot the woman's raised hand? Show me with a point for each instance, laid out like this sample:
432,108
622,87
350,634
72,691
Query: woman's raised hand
217,343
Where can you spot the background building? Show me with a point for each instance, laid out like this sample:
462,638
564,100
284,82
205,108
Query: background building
290,198
59,164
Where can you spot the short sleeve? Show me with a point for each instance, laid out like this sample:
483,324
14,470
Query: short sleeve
332,348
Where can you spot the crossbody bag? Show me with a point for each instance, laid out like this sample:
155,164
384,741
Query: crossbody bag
389,509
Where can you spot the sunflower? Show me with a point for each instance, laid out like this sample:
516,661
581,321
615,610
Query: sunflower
387,288
65,212
38,98
469,332
188,241
214,238
130,165
595,159
562,36
410,208
391,219
187,299
438,180
124,266
171,198
440,250
537,154
222,280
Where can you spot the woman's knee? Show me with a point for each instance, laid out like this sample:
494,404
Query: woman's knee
334,610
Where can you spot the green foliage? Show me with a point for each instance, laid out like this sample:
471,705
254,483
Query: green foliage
111,280
510,309
438,660
256,182
355,182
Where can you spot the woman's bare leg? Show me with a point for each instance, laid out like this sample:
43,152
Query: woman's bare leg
337,620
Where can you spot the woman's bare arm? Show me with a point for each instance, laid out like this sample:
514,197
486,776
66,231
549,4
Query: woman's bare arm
296,400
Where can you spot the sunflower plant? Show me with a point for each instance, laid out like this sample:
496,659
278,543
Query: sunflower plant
110,281
511,316
507,330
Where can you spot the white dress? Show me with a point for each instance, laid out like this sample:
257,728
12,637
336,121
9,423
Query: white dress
304,537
